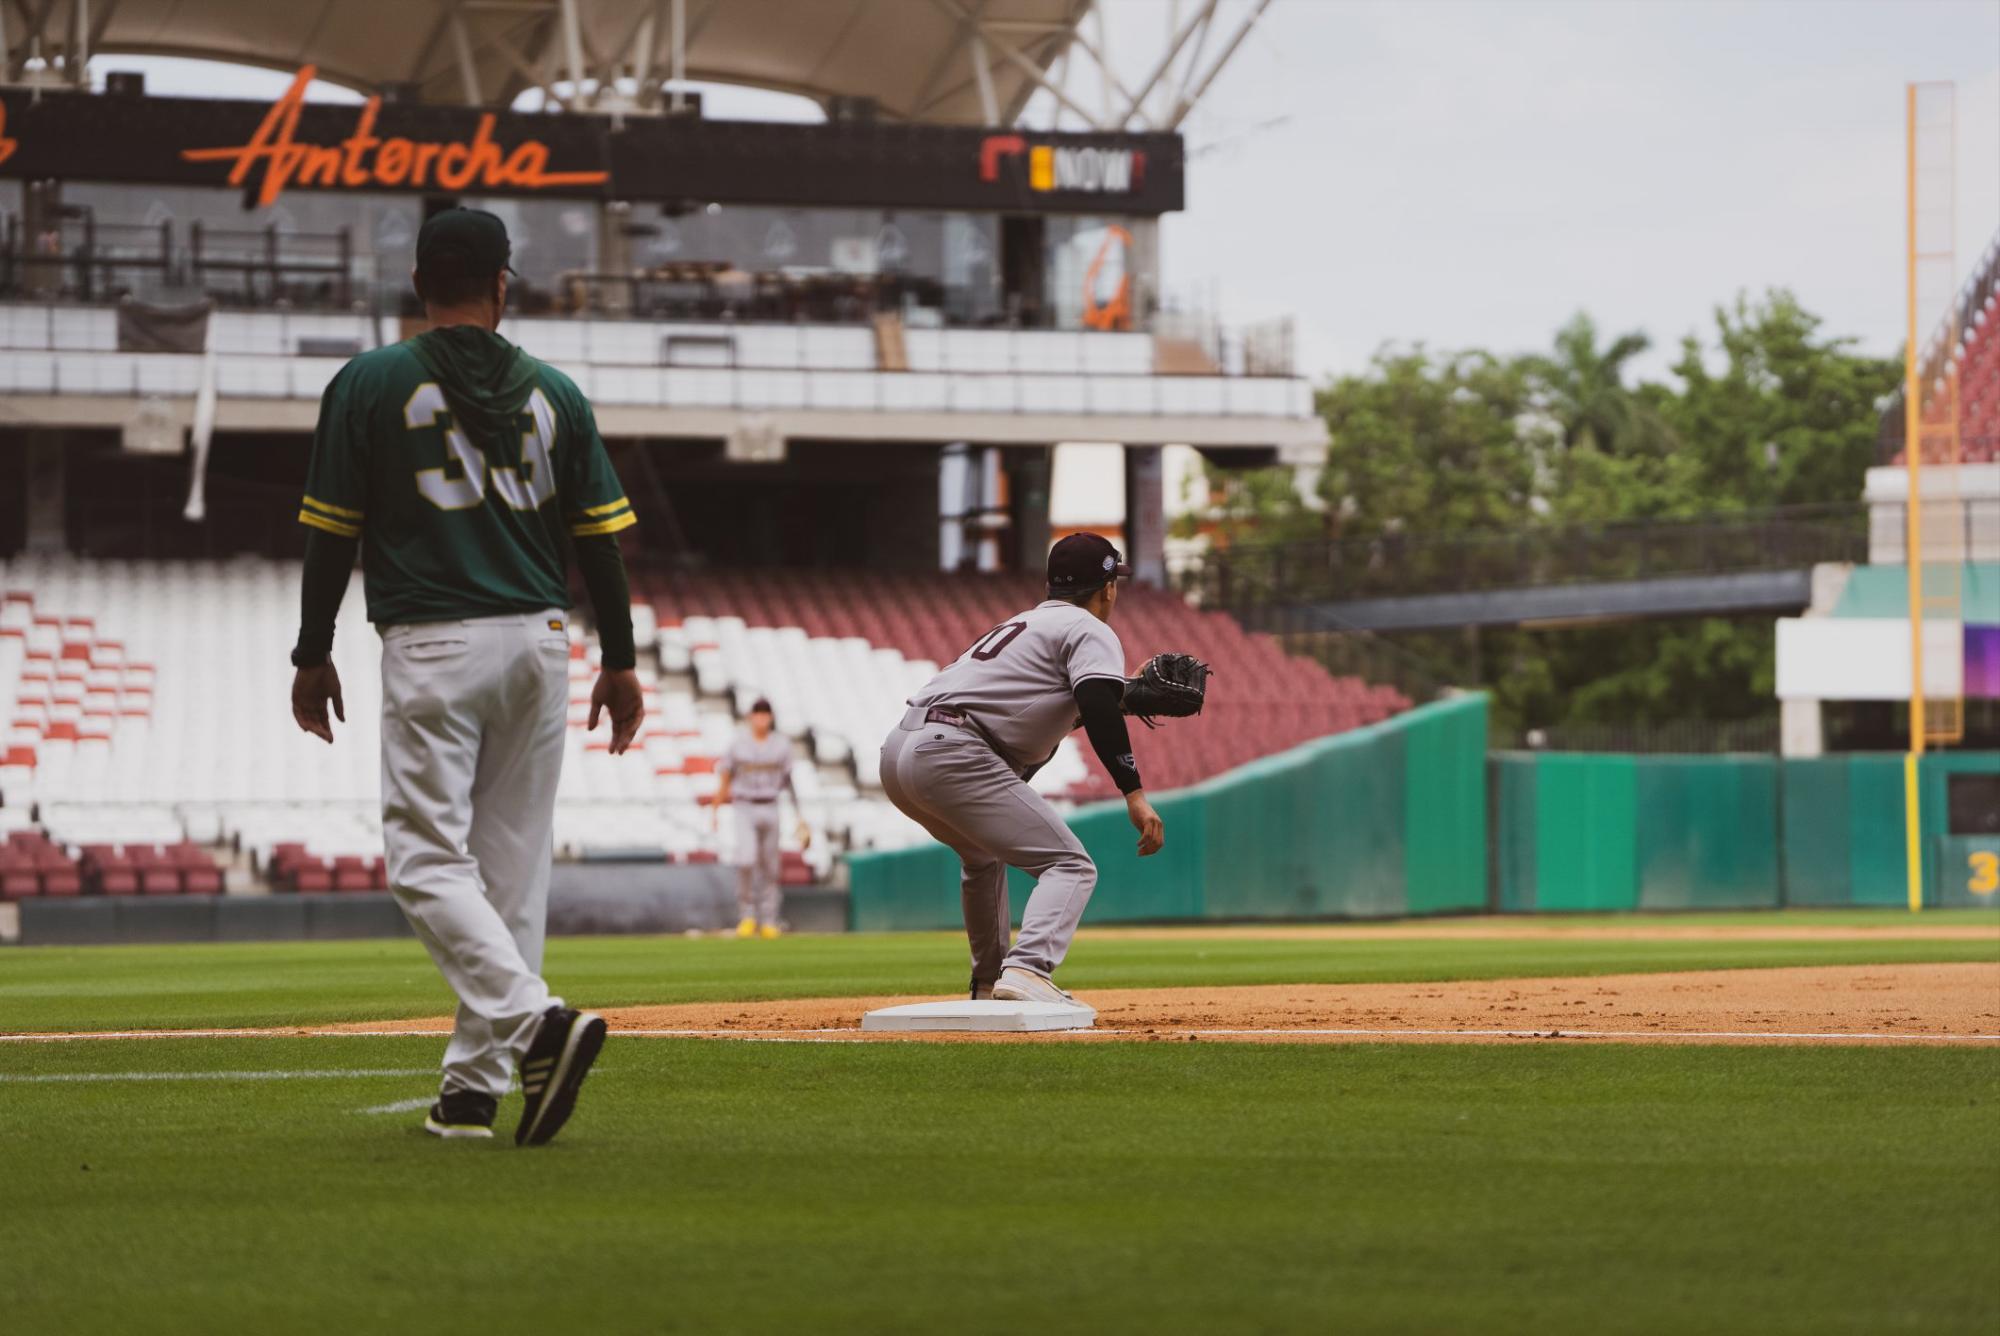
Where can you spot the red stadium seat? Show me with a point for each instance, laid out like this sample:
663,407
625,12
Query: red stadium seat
1262,699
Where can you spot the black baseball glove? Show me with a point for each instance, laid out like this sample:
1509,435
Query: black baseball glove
1169,686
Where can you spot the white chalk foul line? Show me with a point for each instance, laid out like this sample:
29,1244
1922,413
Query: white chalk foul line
55,1077
400,1105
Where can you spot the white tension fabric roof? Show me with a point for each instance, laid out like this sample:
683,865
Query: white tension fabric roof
920,60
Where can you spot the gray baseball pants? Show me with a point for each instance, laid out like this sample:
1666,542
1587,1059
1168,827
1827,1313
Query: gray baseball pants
950,782
473,715
758,860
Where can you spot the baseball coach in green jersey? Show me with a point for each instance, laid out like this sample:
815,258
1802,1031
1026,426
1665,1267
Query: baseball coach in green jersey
460,468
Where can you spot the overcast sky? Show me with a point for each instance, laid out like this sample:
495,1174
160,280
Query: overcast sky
1472,174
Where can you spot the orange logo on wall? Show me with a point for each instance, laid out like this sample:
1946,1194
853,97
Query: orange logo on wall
363,159
7,146
1114,309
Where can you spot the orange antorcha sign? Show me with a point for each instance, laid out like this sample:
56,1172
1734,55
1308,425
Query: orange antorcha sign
364,159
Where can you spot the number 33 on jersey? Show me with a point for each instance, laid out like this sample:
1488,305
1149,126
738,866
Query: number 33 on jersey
459,461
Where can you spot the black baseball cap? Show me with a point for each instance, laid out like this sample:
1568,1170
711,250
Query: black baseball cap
472,240
1083,562
762,705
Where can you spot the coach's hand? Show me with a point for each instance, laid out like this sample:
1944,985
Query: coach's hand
312,689
619,692
1152,831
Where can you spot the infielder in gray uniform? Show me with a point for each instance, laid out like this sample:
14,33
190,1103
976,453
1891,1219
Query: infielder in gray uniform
755,770
959,763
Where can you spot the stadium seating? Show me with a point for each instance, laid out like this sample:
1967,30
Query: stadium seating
31,864
1976,359
837,652
144,715
123,723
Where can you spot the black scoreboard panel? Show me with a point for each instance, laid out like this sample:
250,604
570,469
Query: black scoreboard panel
452,150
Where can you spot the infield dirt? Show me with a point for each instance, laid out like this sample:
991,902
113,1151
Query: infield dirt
1824,1004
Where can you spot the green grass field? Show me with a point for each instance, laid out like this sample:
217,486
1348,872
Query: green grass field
281,1184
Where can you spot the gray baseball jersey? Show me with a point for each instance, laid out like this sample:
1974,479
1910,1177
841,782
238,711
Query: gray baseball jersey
1018,681
758,771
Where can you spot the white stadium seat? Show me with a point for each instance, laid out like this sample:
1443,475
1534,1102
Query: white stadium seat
149,702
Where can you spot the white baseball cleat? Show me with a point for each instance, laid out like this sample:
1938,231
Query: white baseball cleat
1017,984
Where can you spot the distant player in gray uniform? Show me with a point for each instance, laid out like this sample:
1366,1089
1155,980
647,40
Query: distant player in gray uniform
755,770
959,763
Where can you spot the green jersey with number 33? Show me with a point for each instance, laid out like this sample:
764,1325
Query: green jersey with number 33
459,460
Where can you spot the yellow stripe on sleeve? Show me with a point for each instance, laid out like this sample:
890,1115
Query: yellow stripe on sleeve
331,526
612,525
606,508
341,511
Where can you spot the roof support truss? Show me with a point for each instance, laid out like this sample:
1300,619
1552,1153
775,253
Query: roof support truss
1004,62
1046,56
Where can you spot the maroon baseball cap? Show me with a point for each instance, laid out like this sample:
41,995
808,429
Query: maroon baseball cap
1083,562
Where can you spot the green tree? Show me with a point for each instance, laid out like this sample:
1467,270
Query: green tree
1583,387
1789,419
1618,459
1430,443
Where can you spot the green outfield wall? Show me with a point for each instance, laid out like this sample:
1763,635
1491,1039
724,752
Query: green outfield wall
1412,816
1576,832
1381,821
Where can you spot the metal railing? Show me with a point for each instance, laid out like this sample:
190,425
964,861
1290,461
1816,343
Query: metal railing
266,266
1408,564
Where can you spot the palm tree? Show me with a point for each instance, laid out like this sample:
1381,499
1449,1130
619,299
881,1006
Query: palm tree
1586,393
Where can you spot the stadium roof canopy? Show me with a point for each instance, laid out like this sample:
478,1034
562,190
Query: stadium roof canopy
940,61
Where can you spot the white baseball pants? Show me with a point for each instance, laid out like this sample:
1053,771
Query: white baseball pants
951,782
473,715
758,860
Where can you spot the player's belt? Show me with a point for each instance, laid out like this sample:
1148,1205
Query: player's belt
756,800
938,714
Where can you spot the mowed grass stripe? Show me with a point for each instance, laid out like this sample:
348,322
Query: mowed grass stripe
720,1188
196,986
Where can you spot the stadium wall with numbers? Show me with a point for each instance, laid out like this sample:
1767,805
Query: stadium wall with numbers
1377,822
1604,833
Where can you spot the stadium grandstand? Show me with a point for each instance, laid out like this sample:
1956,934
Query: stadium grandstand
834,360
1853,642
1965,351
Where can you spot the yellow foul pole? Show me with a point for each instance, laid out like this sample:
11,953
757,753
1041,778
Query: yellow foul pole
1913,521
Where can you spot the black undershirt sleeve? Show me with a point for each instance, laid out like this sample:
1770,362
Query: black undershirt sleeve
603,570
1098,700
329,561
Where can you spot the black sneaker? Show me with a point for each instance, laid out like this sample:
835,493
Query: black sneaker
461,1113
553,1071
